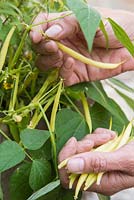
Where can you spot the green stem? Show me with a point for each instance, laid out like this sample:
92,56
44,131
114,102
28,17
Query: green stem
73,105
52,137
86,111
51,78
15,90
4,134
36,118
50,20
19,49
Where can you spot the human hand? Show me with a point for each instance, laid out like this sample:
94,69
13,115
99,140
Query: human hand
68,32
118,165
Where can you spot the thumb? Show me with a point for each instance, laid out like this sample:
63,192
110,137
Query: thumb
63,27
100,162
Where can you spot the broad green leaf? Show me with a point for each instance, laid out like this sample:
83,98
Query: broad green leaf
19,183
33,139
88,18
40,174
121,84
68,194
43,152
10,155
101,118
48,188
103,197
122,36
68,124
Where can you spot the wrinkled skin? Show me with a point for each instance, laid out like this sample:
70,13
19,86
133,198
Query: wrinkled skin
119,167
71,70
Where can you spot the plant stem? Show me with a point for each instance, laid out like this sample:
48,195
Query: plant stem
74,106
86,111
50,20
19,49
15,90
4,134
36,118
52,137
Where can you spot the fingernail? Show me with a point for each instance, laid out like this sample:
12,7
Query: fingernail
72,139
53,31
113,134
75,165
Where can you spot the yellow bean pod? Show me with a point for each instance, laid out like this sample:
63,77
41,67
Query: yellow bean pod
86,60
80,182
5,46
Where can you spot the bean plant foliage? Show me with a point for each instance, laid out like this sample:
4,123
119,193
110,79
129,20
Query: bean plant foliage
37,113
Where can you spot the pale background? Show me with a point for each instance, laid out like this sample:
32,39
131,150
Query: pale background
127,77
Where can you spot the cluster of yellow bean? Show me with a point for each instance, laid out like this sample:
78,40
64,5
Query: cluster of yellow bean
89,179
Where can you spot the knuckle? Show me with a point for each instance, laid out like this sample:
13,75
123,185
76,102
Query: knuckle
98,164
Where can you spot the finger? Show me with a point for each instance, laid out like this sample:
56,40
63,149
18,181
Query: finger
100,136
36,32
112,183
47,62
66,70
68,150
103,161
63,28
46,47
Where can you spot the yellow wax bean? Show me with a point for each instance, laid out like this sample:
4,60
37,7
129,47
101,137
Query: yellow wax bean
72,178
91,179
86,60
80,182
5,46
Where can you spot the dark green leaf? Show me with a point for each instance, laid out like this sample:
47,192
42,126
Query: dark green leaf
122,36
10,155
88,18
48,188
68,124
43,152
33,138
19,183
101,118
68,194
40,174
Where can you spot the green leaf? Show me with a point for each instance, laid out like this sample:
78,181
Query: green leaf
10,155
102,27
103,197
48,188
68,124
68,194
101,118
122,36
88,18
33,138
19,183
40,174
121,84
